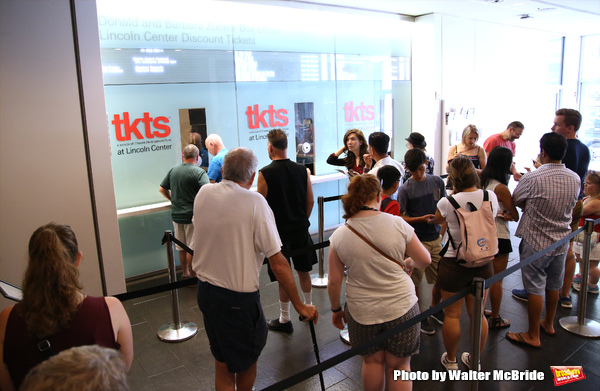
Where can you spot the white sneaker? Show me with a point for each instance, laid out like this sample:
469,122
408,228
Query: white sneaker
449,365
466,359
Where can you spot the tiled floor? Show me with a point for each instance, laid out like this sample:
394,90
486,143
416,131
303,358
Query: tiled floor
189,365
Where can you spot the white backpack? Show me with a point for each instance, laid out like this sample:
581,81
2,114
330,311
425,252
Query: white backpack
479,239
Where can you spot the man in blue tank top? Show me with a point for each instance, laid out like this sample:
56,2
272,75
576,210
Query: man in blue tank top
286,186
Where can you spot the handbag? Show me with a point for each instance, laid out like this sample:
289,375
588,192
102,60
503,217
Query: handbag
402,265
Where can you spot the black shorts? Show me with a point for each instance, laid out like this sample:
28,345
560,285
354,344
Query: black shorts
504,246
235,325
293,242
453,277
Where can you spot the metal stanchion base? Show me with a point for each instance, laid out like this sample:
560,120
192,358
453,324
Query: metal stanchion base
169,333
345,336
318,282
589,328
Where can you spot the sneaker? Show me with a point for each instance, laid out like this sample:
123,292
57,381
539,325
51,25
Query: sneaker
449,365
276,325
426,328
520,294
565,302
466,359
577,279
593,289
577,286
438,317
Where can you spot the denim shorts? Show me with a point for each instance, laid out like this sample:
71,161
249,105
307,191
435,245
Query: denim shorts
544,273
235,325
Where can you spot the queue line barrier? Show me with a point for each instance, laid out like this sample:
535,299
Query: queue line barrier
320,280
580,325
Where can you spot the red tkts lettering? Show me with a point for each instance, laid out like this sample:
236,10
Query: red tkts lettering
256,118
129,128
367,113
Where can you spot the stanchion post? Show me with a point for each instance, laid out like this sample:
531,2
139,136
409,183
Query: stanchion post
580,325
478,292
176,331
320,280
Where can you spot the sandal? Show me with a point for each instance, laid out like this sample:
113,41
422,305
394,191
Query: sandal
499,323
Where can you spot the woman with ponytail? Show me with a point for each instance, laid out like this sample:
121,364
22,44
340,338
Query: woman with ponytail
55,314
452,276
379,294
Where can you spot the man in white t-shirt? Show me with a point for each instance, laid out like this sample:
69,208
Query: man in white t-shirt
379,143
228,260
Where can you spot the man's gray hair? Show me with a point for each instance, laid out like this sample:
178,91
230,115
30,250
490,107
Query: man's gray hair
82,368
190,151
239,164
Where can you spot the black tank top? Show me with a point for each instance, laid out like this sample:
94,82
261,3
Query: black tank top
286,195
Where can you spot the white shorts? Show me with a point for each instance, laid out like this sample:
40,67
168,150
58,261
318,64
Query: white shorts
594,254
185,234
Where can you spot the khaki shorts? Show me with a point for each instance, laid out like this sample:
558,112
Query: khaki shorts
185,234
434,247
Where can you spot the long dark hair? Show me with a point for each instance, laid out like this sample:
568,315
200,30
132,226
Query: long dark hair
51,287
497,166
350,157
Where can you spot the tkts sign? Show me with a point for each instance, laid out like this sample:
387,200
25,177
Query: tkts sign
125,128
358,113
266,118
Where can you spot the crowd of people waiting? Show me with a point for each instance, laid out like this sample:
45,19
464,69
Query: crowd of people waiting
396,216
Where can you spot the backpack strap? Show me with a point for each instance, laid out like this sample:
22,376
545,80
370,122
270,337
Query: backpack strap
386,201
456,206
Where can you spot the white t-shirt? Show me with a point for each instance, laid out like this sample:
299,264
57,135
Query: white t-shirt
462,198
388,161
377,289
238,232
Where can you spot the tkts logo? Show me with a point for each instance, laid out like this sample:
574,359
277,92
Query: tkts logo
564,375
153,127
266,118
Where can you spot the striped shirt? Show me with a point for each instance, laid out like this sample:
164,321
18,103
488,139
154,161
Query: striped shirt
547,197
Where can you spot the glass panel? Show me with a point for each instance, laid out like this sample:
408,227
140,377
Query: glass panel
239,71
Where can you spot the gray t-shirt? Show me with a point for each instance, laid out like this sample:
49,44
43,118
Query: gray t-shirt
419,199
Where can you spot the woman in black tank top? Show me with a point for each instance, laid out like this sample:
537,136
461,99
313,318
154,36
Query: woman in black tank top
469,149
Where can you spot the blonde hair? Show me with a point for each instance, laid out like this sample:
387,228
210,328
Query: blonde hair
51,287
361,190
593,176
467,131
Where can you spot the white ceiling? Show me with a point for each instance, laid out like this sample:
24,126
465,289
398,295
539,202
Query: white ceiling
569,17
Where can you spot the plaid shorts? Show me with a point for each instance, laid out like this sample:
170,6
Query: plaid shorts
404,344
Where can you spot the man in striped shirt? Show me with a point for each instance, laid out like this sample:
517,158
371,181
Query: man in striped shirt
547,197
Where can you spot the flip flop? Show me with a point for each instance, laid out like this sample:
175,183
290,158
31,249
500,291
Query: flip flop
546,332
518,339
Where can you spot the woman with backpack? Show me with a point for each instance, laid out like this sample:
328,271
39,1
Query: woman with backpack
494,177
454,275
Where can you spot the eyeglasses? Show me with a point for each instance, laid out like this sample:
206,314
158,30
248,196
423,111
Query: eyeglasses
593,172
